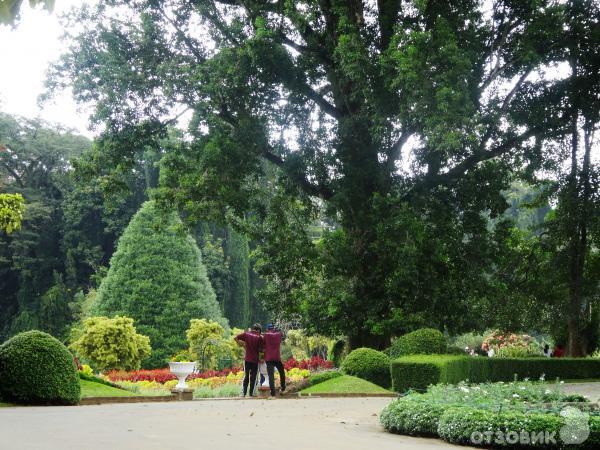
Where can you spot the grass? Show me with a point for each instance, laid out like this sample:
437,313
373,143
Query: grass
5,405
91,389
345,384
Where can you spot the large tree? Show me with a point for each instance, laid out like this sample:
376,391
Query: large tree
401,119
157,278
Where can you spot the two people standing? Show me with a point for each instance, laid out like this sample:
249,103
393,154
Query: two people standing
254,343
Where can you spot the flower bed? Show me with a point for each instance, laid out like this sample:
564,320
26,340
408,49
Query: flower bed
493,414
151,382
312,364
511,345
164,375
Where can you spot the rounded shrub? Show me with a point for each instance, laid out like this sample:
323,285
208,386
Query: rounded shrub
35,368
369,365
426,341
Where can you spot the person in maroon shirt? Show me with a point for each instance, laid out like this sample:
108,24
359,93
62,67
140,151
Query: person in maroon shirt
272,339
253,343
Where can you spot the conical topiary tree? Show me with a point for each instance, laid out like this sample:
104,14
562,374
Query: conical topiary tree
157,278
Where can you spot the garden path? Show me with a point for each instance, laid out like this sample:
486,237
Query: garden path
290,424
590,389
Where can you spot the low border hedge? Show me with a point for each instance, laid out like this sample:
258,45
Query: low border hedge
419,371
457,425
506,429
321,377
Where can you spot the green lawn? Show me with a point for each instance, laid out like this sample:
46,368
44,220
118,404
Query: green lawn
345,384
5,405
91,389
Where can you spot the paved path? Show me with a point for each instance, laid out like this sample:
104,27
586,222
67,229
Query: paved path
290,424
591,390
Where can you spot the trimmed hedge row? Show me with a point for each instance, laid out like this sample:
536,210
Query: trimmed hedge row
461,425
419,371
320,377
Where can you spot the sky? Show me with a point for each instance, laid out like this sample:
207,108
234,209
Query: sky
25,53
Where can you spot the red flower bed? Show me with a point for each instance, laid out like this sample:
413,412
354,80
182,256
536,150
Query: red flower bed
215,373
314,363
163,375
159,375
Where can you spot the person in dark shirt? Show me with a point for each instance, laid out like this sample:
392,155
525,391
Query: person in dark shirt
253,343
272,339
558,352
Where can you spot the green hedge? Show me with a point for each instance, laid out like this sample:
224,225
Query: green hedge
419,371
36,368
458,425
425,341
320,377
95,379
368,364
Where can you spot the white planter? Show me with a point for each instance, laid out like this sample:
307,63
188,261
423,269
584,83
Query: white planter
182,370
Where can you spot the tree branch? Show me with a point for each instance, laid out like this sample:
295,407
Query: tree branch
318,191
320,101
455,173
185,38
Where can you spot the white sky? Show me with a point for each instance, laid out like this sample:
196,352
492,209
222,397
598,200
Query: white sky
25,53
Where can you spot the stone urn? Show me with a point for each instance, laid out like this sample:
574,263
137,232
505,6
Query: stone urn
182,370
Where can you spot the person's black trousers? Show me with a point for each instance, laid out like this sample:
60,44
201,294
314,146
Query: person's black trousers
271,365
250,371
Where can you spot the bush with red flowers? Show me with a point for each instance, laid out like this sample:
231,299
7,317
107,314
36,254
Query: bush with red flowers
314,363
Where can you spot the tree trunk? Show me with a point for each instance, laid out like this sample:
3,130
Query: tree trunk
579,197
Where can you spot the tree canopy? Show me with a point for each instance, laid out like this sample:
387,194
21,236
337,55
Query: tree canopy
396,125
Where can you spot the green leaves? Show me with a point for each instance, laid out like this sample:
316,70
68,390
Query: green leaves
12,207
10,9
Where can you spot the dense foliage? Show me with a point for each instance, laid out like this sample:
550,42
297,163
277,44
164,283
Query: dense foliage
157,278
423,341
112,343
395,126
34,166
11,212
35,368
369,365
50,268
212,345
